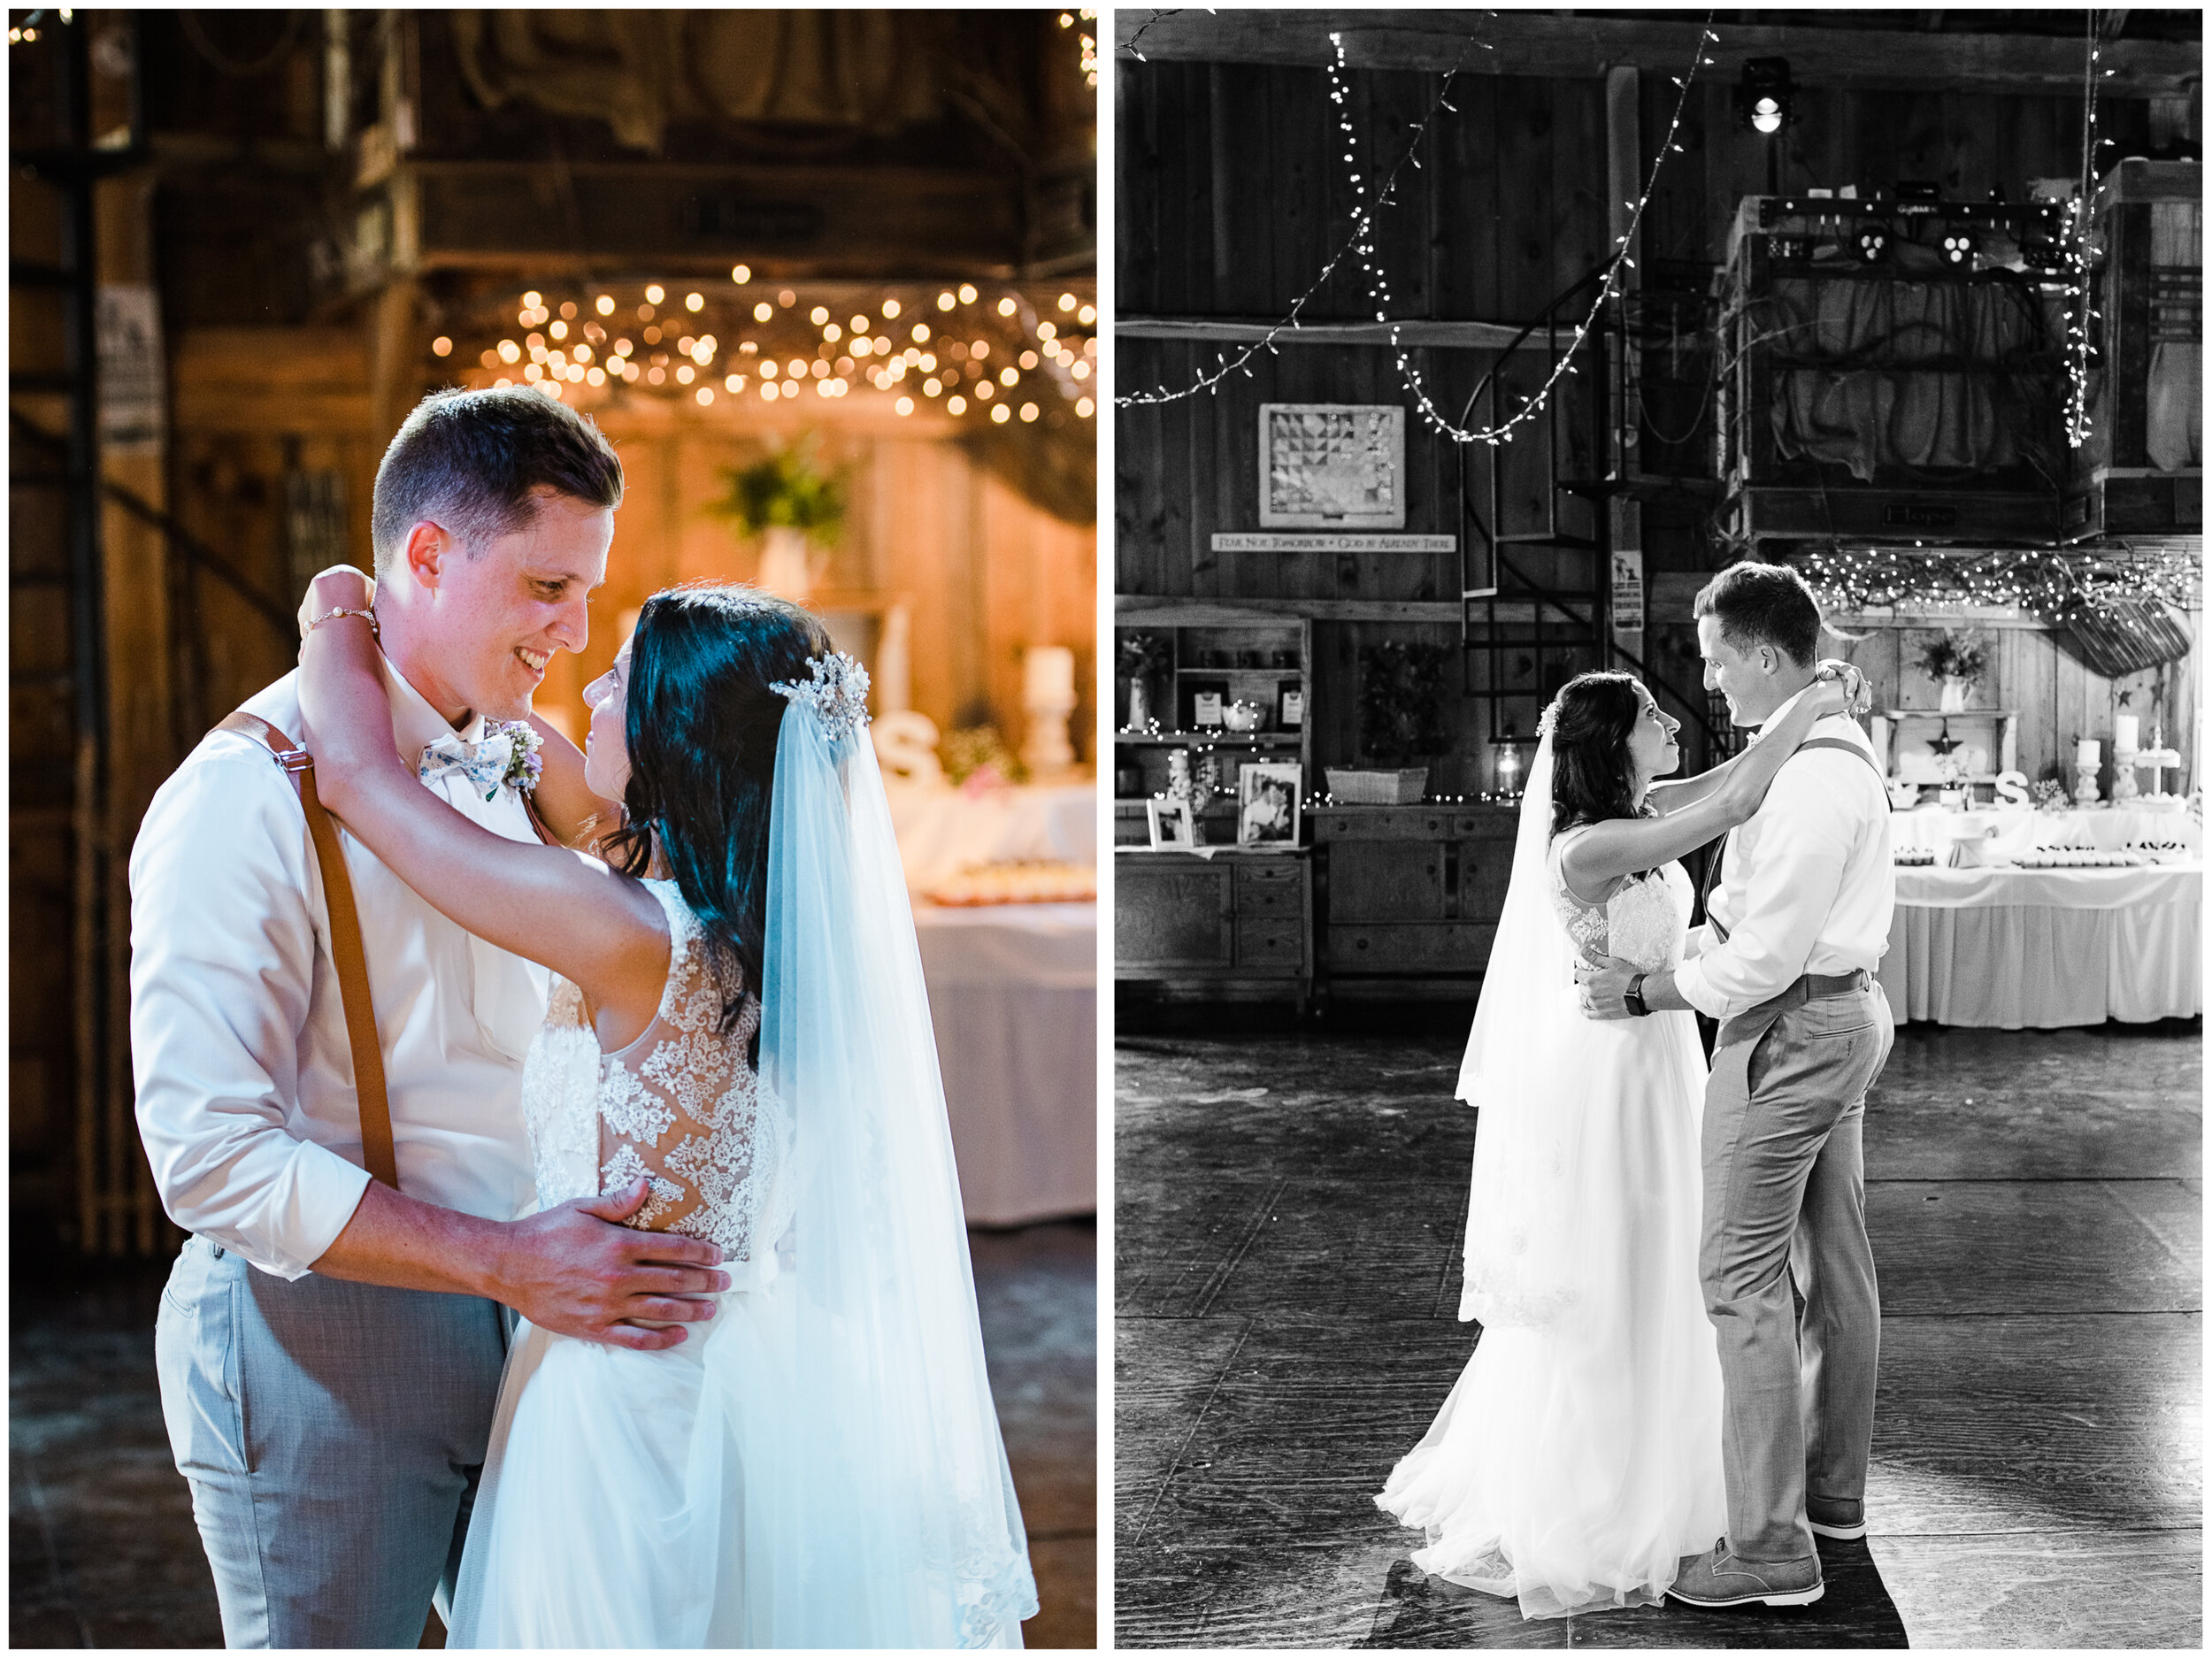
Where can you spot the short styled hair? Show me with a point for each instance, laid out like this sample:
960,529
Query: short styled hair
1763,604
472,463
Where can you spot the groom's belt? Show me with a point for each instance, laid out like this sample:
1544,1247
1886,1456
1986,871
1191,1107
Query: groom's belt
1753,1023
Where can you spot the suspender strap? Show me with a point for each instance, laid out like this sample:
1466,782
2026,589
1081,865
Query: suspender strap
345,947
1712,871
1866,755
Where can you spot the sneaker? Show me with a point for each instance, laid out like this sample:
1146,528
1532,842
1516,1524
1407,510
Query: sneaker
1830,1516
1717,1578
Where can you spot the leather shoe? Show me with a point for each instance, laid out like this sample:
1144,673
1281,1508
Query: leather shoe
1830,1516
1718,1578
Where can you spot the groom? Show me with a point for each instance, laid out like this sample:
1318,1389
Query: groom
1796,922
329,1348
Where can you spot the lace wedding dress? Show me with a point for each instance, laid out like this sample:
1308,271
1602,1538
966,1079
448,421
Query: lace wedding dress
1577,1458
673,1498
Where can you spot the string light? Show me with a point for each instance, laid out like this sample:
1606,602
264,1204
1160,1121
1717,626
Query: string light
1360,241
2056,585
795,344
1089,41
1225,365
2083,312
1378,286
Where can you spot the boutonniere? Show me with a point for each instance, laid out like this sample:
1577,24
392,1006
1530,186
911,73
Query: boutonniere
524,765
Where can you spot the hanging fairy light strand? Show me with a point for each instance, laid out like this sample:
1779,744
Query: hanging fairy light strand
2057,585
2083,312
1225,364
1379,284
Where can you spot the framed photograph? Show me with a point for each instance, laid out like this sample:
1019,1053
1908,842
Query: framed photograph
1332,466
1267,803
1203,703
1170,822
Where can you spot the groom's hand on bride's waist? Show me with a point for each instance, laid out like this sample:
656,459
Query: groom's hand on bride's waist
575,1270
1605,989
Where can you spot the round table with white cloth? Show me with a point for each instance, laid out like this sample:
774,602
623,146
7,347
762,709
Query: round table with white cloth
2009,829
1013,992
943,830
2020,950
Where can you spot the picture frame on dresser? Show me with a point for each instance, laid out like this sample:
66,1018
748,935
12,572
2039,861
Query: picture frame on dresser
1170,826
1267,803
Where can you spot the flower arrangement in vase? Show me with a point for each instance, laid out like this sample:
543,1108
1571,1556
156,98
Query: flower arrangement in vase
1958,664
1139,657
794,504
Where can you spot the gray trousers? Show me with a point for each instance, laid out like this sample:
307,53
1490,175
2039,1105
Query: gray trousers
332,1434
1786,1199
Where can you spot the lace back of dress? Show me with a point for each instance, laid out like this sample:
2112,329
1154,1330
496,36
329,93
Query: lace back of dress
684,1106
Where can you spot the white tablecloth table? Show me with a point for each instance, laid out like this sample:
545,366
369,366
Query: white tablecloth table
2036,949
2009,829
1013,992
943,830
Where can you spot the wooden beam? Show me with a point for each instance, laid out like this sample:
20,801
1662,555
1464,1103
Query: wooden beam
1475,336
1566,48
790,221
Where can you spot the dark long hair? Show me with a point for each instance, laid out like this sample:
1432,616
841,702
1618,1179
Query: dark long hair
1592,778
701,723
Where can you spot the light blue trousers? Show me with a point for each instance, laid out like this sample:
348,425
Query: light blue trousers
332,1434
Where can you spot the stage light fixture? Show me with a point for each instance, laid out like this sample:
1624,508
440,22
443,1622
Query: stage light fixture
1872,242
1958,248
1766,98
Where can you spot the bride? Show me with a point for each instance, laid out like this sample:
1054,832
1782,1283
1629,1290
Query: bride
738,1018
1577,1458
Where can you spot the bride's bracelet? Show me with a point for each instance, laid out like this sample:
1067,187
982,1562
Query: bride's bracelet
333,615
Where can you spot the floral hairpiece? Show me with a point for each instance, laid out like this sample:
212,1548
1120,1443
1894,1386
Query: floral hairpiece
837,693
1548,720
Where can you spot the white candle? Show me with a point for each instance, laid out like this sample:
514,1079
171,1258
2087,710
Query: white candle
2085,752
1049,675
2126,730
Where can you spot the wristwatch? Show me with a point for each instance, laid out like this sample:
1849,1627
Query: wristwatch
1634,996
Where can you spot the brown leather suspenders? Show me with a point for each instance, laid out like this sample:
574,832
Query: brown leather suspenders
345,947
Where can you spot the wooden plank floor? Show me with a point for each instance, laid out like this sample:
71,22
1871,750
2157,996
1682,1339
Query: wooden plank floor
1288,1238
103,1551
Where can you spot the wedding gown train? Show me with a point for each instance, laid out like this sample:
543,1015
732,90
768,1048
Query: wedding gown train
1577,1458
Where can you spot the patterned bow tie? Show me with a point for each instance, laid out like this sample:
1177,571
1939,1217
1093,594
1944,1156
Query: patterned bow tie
483,764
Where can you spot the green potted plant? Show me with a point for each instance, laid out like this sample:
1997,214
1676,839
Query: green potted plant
794,504
1957,663
1401,723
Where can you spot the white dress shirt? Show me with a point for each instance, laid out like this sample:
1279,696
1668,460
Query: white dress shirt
238,1036
1807,886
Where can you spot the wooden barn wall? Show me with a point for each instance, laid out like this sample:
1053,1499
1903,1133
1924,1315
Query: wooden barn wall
986,572
1231,198
2059,701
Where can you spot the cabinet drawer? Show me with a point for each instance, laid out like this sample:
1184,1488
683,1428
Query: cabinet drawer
1256,900
1272,872
1447,947
1170,916
1386,880
1271,943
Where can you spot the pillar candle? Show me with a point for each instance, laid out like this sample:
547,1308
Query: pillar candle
2126,732
1049,675
2085,752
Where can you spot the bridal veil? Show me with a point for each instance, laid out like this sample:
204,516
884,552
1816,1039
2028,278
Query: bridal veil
897,1468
